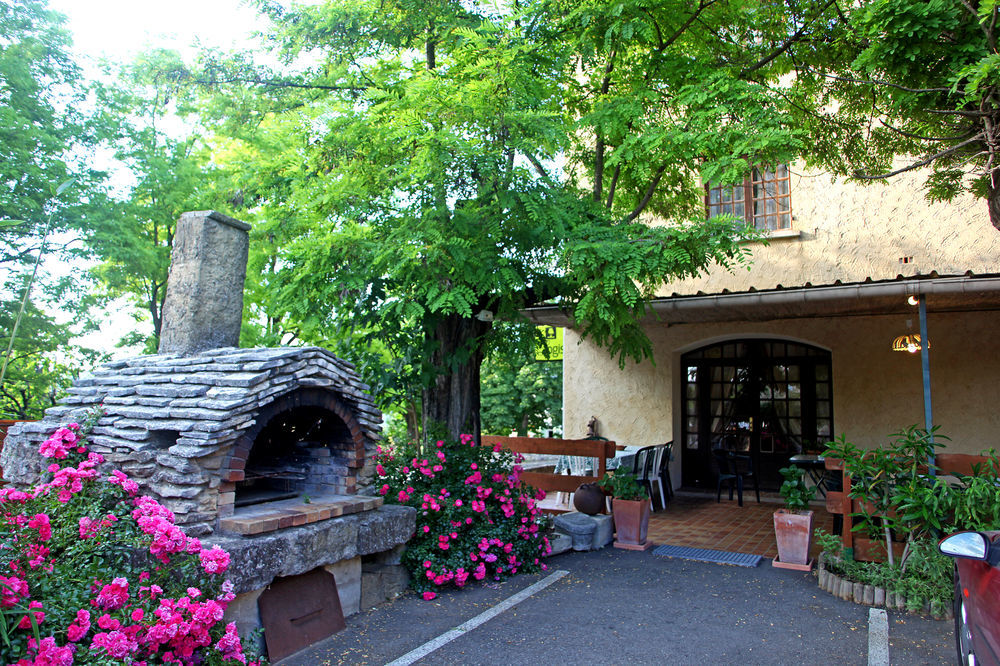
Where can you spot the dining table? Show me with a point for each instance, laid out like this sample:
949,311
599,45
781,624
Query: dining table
814,466
583,466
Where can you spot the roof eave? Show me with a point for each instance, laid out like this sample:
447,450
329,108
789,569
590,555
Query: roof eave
962,293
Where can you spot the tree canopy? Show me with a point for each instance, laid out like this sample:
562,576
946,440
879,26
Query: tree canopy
43,362
426,167
896,85
47,190
45,137
417,170
150,122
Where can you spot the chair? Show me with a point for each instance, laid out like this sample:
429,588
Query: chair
732,469
642,464
664,467
652,464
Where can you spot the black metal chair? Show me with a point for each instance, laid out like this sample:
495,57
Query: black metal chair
733,469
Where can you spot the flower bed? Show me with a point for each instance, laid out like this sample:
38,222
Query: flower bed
96,573
923,586
876,595
475,518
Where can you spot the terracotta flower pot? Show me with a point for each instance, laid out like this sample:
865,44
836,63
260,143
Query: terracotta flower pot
631,523
793,533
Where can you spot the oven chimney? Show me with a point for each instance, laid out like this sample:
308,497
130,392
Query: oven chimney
203,308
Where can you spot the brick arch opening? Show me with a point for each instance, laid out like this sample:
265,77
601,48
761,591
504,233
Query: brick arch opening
305,442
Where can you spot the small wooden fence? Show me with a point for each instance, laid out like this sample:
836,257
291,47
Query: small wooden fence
551,482
839,502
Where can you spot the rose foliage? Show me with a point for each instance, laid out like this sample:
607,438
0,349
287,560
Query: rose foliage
94,573
475,519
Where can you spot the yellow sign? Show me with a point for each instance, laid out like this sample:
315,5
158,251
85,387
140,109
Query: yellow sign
553,342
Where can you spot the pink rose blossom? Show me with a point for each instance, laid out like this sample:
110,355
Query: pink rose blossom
50,654
12,590
214,560
116,644
114,595
39,616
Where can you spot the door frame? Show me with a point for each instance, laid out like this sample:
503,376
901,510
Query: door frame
696,471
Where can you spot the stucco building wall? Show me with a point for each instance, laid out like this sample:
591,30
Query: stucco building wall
876,391
849,232
840,232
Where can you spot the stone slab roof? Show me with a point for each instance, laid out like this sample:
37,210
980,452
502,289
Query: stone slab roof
207,399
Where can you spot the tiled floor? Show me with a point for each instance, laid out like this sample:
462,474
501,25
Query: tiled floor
697,520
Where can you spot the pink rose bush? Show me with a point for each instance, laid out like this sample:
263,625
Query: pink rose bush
95,573
475,518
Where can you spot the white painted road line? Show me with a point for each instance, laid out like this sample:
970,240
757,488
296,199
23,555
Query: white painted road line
878,637
447,637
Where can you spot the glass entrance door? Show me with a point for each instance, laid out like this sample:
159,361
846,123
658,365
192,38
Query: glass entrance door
769,399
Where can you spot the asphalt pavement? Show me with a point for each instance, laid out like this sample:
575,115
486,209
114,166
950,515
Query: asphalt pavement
623,607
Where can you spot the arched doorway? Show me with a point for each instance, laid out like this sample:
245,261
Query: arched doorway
768,398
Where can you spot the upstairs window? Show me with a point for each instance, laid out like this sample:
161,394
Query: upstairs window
763,199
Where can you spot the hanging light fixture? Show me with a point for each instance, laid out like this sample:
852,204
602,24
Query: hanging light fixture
908,343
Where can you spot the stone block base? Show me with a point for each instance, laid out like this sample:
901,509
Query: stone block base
560,543
605,530
381,583
347,573
587,532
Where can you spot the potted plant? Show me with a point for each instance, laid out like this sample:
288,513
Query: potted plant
630,509
793,525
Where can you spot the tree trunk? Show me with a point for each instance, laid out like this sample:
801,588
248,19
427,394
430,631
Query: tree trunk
993,200
412,421
452,401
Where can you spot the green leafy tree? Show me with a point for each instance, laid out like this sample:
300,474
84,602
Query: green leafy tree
899,85
48,192
152,126
519,393
444,163
40,89
42,364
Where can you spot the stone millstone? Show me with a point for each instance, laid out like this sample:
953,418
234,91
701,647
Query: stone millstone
580,527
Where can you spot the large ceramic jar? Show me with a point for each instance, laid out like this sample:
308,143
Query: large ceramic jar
589,499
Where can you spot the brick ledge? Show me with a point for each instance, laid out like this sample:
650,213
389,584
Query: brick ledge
273,516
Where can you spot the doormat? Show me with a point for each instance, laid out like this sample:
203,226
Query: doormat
706,555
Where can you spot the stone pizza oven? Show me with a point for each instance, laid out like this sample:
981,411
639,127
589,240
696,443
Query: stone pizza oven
226,428
267,452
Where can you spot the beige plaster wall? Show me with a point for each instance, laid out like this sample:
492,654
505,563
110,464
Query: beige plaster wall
876,391
850,232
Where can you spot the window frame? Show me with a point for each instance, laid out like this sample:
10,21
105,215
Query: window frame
750,181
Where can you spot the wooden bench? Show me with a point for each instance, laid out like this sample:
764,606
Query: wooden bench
551,482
